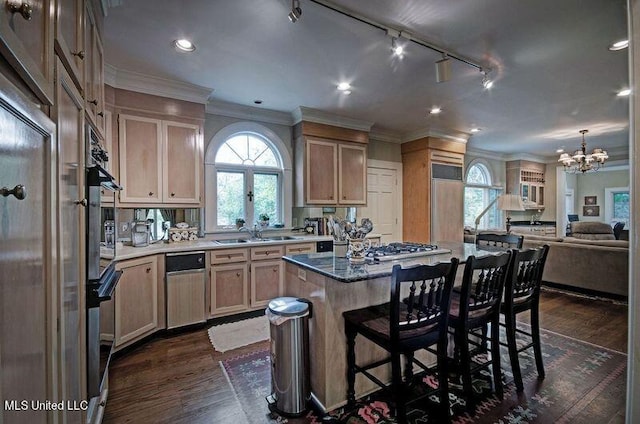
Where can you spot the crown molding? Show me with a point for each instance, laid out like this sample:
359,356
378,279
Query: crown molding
302,113
234,110
386,136
485,154
453,135
527,156
148,84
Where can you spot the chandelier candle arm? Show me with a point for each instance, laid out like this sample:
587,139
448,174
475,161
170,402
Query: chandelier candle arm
582,162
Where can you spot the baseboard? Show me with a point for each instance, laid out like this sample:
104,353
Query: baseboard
586,292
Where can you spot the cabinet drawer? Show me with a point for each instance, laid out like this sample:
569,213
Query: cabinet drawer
226,256
267,252
296,249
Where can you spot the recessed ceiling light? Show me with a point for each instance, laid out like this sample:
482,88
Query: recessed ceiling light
184,45
257,101
474,129
619,45
624,93
559,150
344,86
435,110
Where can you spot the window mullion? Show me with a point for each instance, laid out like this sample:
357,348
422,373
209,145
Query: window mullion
249,204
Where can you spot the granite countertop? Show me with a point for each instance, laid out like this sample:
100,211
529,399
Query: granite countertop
528,223
342,270
130,252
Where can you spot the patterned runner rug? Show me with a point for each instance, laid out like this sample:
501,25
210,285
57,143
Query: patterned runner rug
584,383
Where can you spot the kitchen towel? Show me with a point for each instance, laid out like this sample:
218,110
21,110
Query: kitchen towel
231,336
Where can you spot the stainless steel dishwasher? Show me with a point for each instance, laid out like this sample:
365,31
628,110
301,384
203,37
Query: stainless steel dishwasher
185,277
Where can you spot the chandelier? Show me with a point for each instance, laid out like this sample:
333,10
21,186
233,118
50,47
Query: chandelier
580,161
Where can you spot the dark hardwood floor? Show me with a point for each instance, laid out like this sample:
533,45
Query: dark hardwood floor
178,379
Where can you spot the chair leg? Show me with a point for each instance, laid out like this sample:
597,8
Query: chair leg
464,363
351,365
408,370
510,326
535,335
397,388
485,331
495,356
443,381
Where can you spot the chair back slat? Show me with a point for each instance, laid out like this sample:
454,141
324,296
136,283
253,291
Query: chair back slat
507,241
420,296
483,283
526,274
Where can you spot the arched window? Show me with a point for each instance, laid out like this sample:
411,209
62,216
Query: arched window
249,174
478,194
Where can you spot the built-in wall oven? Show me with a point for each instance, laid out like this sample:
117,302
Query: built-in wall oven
102,276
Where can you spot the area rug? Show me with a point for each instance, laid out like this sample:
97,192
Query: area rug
584,383
233,335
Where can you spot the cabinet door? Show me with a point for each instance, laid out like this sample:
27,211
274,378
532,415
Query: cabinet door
267,279
107,196
352,174
97,82
26,41
321,172
140,152
69,38
70,124
28,278
229,288
297,249
136,300
182,161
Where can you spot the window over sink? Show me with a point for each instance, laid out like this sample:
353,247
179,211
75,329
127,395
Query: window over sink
247,168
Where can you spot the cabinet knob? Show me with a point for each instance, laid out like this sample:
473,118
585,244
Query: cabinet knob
94,102
151,193
101,114
82,202
237,274
173,194
24,9
275,269
229,256
330,197
19,192
266,253
344,197
79,55
148,270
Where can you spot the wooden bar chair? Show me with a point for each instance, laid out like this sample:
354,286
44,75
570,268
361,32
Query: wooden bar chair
507,241
416,317
522,293
472,308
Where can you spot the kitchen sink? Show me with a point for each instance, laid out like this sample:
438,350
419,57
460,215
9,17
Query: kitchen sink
231,241
281,238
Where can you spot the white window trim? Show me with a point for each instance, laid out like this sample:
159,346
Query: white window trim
608,203
491,186
210,170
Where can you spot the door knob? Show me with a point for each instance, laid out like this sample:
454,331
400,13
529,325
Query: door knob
79,55
19,192
24,9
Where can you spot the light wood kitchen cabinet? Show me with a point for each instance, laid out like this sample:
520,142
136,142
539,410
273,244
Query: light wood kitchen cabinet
432,196
185,298
331,165
136,300
267,281
298,249
94,71
106,195
26,41
70,125
229,288
69,38
160,161
527,179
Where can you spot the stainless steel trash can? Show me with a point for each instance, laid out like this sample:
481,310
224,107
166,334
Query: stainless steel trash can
289,328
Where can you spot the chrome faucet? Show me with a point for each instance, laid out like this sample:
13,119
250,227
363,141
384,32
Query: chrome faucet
255,233
534,218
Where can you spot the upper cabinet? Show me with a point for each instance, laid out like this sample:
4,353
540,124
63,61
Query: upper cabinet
331,165
93,71
69,38
160,161
527,179
26,41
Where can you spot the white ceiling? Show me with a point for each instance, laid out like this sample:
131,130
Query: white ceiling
554,74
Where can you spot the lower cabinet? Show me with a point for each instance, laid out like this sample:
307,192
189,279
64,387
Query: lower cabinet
267,280
229,292
136,300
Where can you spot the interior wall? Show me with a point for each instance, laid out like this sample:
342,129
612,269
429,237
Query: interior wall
593,184
380,150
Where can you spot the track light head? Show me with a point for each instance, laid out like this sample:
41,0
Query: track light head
396,47
487,82
295,12
443,69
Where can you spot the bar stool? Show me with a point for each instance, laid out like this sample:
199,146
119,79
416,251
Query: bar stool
472,308
415,318
522,293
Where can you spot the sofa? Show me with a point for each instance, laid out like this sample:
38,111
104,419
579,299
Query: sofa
591,260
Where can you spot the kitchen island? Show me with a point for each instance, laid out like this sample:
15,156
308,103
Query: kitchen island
333,285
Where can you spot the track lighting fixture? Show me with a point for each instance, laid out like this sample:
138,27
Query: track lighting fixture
296,11
487,82
443,69
396,47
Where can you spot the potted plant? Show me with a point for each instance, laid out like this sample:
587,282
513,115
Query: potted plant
240,222
263,220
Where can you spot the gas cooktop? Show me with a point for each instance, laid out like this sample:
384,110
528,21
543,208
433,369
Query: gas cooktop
395,251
